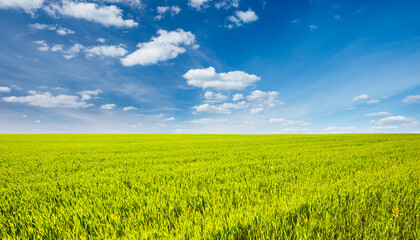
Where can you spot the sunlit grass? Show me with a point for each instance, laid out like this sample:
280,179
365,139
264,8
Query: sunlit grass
210,186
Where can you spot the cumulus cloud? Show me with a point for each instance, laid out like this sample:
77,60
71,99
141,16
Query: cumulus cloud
198,4
162,10
237,97
106,51
411,99
59,30
286,122
73,51
43,46
105,15
378,114
397,120
295,129
167,45
29,6
5,89
241,17
266,98
129,108
208,78
226,4
48,100
225,108
360,97
136,4
212,97
109,106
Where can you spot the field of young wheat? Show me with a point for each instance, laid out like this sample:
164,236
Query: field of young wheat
210,186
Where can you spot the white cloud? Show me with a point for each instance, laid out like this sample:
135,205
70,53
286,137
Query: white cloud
411,99
237,97
225,108
47,100
162,10
109,106
295,21
105,15
161,48
129,108
37,121
208,78
361,97
207,121
136,4
295,129
378,114
170,119
242,17
286,122
341,129
64,31
212,97
267,98
106,51
226,4
198,4
101,40
313,27
73,50
29,6
57,48
43,45
397,120
256,110
381,128
5,89
58,29
87,94
373,101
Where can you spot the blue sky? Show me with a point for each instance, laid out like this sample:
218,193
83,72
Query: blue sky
209,66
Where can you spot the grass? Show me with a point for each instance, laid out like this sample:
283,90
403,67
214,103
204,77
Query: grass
210,186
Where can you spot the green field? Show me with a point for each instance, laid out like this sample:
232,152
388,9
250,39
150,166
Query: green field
210,186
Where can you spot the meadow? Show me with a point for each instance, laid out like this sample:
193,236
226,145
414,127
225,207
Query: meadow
352,186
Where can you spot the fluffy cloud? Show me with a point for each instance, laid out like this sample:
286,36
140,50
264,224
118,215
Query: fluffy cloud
105,15
396,120
225,108
47,100
170,119
162,10
57,29
286,122
27,5
137,4
161,48
208,78
129,108
266,98
5,89
411,99
73,51
242,17
198,4
378,114
237,97
361,97
227,4
106,51
43,45
109,106
295,129
214,97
